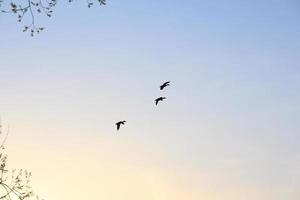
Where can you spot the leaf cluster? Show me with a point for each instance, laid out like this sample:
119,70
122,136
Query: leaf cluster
14,184
33,8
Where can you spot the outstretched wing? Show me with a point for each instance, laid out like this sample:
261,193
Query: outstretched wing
165,84
118,126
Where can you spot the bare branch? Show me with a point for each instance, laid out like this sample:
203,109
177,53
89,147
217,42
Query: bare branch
32,8
16,186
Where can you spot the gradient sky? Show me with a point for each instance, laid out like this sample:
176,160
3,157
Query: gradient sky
229,129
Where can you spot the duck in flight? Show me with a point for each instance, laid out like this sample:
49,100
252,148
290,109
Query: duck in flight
159,99
165,84
119,124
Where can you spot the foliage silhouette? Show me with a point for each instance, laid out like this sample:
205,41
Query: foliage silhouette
17,185
32,8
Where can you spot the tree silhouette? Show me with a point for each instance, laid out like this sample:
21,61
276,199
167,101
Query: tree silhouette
16,184
31,8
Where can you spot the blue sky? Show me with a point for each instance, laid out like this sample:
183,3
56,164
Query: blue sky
229,128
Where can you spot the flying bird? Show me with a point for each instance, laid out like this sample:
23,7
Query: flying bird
164,85
119,124
159,99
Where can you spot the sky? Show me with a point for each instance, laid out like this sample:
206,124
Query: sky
228,130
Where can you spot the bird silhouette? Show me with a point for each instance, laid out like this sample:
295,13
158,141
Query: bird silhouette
119,124
159,99
164,85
